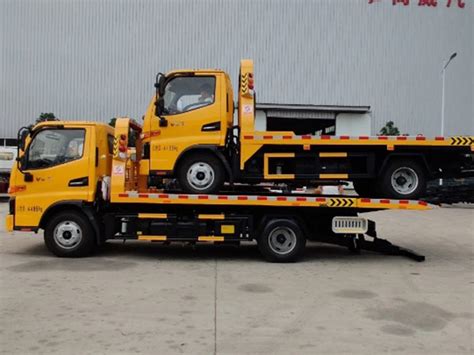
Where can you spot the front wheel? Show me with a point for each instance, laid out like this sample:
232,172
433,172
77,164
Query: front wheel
201,174
403,179
282,240
69,234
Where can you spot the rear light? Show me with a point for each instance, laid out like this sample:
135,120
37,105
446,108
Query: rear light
251,83
122,145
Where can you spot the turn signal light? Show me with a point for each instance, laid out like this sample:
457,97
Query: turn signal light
15,189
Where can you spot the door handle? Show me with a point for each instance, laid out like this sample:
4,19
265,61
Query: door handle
83,181
209,127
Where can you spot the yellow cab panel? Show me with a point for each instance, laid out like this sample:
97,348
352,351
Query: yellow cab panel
196,106
62,162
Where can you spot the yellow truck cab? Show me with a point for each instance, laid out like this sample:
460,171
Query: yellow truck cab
63,163
196,113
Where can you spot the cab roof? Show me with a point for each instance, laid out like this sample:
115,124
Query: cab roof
196,71
71,124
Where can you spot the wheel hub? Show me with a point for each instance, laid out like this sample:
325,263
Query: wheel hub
200,176
401,180
282,240
67,234
404,180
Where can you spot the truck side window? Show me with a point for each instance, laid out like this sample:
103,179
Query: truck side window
183,94
55,146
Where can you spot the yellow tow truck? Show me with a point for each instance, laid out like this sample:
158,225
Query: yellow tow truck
189,134
82,184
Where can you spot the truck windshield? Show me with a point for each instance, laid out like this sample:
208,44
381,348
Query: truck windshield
55,146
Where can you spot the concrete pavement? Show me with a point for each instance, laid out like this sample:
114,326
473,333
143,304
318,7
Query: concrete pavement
153,299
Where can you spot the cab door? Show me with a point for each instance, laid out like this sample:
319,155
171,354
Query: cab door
56,168
192,109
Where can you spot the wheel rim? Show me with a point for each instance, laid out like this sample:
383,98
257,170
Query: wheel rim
200,176
404,180
67,234
282,240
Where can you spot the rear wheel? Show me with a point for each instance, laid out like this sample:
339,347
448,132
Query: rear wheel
281,241
403,179
69,234
201,174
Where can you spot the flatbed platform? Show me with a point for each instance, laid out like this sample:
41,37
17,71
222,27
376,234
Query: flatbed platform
276,200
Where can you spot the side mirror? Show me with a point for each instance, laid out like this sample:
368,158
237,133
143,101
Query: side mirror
28,177
159,109
161,84
22,141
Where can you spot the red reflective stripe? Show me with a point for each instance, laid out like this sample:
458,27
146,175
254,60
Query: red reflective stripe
420,138
287,137
203,197
222,197
404,202
280,198
267,137
248,137
242,198
325,137
363,137
301,199
401,138
183,197
306,136
439,138
423,203
344,137
262,198
123,195
163,196
384,138
384,201
365,200
320,199
143,195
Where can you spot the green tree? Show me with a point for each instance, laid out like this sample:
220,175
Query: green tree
46,116
389,129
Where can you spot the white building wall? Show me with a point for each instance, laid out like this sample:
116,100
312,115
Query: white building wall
95,60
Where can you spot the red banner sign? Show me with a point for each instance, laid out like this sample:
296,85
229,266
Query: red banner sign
433,3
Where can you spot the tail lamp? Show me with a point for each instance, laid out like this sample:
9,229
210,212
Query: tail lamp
123,143
251,84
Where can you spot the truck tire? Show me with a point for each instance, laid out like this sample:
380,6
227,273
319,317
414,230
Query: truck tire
403,179
69,234
282,240
365,188
201,174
